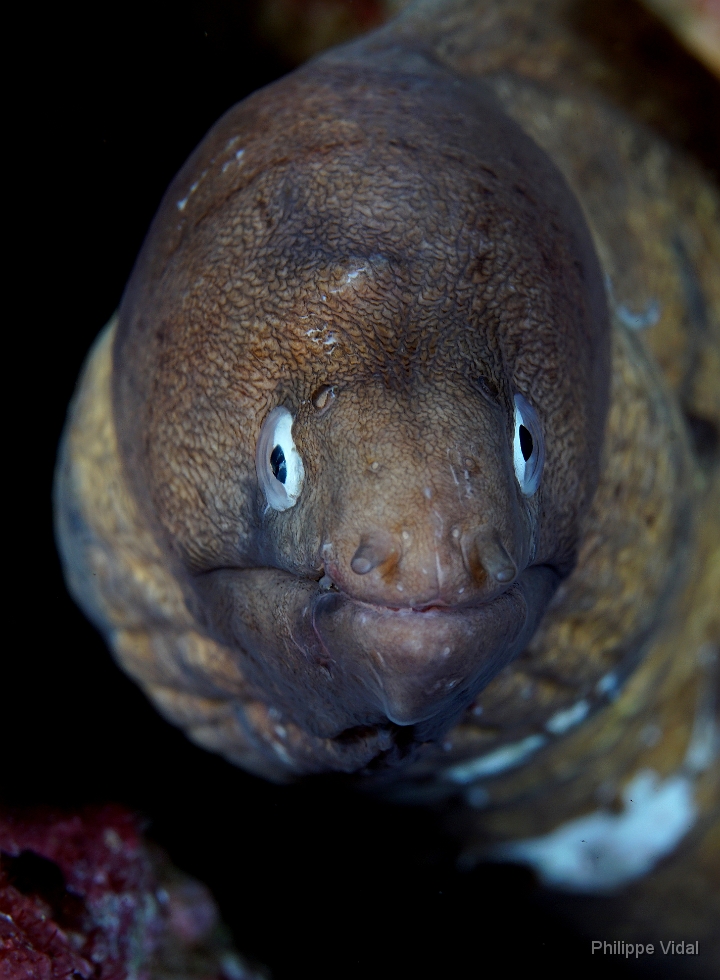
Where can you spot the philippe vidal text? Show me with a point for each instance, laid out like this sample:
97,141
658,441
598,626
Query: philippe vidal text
620,948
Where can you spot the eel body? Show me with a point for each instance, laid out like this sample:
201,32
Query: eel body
390,463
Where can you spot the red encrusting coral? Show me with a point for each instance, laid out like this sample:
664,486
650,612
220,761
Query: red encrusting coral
76,894
82,895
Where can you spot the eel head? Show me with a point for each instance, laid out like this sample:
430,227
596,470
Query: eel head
360,386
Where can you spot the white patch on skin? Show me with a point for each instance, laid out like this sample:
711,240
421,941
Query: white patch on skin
438,570
191,191
281,753
348,278
239,155
561,721
427,493
639,321
604,851
495,762
318,335
608,684
439,531
634,321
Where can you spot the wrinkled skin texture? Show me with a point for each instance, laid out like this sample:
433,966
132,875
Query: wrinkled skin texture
401,241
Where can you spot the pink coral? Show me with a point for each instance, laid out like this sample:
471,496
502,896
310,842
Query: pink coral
76,895
83,896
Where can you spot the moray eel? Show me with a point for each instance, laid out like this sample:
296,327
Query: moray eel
382,466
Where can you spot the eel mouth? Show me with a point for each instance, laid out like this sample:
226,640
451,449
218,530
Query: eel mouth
425,607
333,663
422,664
331,583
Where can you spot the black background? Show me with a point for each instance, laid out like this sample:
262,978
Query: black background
313,880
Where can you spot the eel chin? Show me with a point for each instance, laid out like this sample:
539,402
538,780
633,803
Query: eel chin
333,663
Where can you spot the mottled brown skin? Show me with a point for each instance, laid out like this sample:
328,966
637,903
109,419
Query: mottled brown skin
387,232
349,248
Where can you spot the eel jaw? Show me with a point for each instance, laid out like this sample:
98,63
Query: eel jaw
423,666
331,663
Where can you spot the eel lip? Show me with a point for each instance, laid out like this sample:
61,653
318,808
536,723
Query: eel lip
416,664
424,607
329,585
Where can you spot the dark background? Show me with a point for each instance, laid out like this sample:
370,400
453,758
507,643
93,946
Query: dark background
108,103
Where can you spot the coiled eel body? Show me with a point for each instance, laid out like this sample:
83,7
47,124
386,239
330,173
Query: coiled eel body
383,466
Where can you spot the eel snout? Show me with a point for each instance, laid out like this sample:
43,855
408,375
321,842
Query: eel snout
483,554
415,500
426,597
416,570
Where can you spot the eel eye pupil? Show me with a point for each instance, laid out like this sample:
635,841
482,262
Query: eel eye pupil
528,446
277,462
526,443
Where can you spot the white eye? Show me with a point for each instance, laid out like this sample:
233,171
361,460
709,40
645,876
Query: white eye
279,466
528,447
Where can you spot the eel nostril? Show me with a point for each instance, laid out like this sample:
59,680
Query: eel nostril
485,552
373,551
364,561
